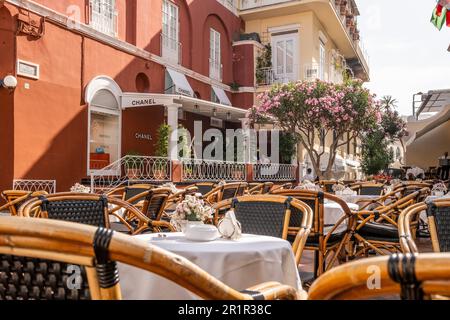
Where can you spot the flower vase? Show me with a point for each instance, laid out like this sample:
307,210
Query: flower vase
190,224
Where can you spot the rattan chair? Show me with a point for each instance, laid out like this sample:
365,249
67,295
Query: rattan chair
377,229
226,191
408,224
91,209
412,277
286,186
438,213
127,192
270,215
260,188
329,247
16,198
154,202
204,187
369,189
327,185
39,256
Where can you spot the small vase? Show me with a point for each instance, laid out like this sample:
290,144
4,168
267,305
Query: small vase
191,223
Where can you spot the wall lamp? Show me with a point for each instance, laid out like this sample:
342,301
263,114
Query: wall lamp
9,82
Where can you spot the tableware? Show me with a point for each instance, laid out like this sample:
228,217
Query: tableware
229,227
201,232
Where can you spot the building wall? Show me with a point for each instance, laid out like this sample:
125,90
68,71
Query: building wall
44,125
7,58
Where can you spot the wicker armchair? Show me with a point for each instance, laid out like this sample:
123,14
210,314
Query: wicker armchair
412,277
37,256
377,229
328,247
438,213
261,188
16,198
154,202
286,186
227,191
127,192
92,210
204,187
327,185
369,189
270,215
408,224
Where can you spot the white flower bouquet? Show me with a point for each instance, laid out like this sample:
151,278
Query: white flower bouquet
308,185
79,188
192,209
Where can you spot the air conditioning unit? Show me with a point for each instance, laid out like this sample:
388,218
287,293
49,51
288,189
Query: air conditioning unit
218,123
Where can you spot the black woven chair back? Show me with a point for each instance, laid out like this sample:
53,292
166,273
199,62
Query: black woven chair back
24,278
131,192
370,190
229,193
156,203
328,188
442,221
90,212
261,218
266,188
241,190
204,189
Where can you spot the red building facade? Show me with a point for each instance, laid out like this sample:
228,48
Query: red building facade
75,60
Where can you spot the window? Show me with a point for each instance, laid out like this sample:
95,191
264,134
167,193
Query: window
170,32
322,60
285,57
103,16
215,66
214,97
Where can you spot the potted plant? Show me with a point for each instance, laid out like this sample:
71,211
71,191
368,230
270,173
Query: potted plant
132,165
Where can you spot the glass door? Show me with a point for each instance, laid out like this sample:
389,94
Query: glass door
285,58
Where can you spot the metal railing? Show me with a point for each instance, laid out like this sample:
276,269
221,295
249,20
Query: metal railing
274,172
194,170
215,70
130,170
269,76
171,49
35,185
103,16
230,5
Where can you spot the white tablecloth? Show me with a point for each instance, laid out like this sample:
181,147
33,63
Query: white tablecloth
333,212
240,264
5,214
355,198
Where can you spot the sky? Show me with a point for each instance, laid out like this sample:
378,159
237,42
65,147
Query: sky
407,54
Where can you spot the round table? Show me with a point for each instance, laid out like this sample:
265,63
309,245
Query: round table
240,264
332,213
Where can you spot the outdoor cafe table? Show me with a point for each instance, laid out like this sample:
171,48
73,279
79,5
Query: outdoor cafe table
240,264
333,212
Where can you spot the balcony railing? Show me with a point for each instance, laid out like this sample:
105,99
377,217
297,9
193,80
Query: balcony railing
252,4
215,70
129,170
209,170
171,49
103,17
230,5
270,76
274,172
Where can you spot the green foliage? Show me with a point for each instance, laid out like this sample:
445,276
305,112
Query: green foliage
264,60
287,147
235,86
376,154
162,143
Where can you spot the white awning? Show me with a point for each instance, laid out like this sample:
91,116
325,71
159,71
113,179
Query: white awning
222,96
353,163
339,162
181,83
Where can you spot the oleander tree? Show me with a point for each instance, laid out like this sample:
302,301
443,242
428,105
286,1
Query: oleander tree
311,110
